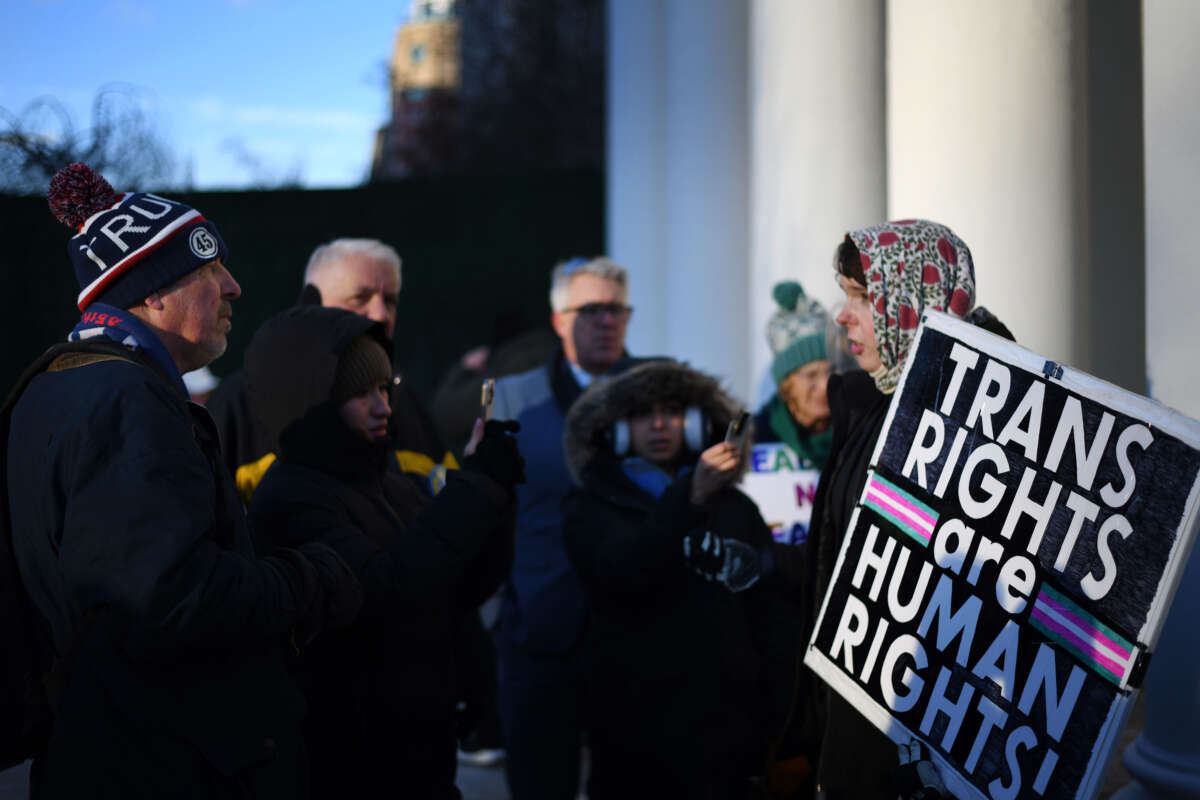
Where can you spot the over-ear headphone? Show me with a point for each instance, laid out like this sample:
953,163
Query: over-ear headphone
621,439
695,429
695,432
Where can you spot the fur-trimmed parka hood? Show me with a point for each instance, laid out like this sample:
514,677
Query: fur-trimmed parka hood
587,431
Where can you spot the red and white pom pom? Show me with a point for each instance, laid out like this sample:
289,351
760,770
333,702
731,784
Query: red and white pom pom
77,192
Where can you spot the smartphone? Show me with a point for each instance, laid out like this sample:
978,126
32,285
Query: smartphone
487,394
738,428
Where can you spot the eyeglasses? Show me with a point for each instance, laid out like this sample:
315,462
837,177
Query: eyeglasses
592,311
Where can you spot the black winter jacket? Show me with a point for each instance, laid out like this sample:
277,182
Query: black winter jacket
681,704
679,698
856,759
381,690
121,509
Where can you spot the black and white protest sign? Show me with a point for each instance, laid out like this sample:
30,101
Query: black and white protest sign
1004,578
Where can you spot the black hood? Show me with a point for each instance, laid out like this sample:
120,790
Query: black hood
291,363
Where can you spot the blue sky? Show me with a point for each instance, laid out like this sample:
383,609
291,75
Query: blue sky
299,85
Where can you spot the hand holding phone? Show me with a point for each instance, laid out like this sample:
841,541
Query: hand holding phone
738,429
487,396
719,465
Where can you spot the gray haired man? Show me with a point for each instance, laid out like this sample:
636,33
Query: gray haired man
543,606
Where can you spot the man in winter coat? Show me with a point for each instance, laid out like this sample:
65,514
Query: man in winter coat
130,538
381,691
681,702
543,607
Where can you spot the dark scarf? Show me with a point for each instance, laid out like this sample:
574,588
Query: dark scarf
126,329
322,441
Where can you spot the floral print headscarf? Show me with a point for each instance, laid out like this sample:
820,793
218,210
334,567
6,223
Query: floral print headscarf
911,266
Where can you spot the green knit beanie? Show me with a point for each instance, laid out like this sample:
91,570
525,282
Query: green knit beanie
796,331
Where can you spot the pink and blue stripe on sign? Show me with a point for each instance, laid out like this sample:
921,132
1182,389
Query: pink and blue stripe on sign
1093,642
901,509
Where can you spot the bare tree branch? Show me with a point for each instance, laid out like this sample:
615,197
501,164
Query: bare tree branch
121,144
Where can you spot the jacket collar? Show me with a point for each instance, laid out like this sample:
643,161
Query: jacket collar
605,477
122,326
562,381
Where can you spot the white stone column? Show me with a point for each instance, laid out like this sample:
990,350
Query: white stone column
1171,31
1165,759
1018,125
636,211
678,177
980,138
817,166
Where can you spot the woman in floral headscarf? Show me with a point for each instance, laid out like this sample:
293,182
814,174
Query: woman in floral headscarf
891,274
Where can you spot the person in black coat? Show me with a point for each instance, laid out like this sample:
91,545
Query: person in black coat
887,288
359,275
680,704
381,693
130,539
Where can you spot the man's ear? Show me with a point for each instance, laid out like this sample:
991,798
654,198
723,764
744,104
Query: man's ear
154,301
559,323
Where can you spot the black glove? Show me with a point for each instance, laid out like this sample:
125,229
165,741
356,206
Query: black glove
497,455
704,554
917,777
